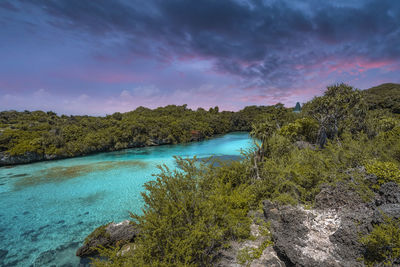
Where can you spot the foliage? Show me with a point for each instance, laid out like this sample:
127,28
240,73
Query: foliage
65,136
189,213
193,211
384,96
383,243
247,255
341,107
303,129
385,171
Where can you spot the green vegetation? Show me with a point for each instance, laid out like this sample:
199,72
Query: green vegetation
384,96
248,254
189,214
385,171
192,212
383,243
49,135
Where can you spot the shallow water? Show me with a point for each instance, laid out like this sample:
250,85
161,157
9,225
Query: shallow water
48,208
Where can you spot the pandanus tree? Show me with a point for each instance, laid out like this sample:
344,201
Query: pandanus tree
341,107
261,131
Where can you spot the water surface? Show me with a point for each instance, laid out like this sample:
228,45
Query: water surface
48,208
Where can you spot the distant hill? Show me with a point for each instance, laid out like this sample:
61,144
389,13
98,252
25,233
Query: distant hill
386,96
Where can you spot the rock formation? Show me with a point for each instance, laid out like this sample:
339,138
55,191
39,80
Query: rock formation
108,235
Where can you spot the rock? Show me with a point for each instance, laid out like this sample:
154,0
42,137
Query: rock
390,210
54,257
109,235
337,197
126,249
301,237
304,145
7,159
389,193
346,238
329,235
229,257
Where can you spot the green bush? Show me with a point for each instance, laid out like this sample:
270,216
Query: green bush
304,129
189,214
383,243
385,171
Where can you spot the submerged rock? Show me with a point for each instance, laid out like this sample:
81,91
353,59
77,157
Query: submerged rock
109,235
55,257
3,254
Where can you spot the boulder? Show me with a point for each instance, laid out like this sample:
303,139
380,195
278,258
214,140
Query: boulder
109,235
301,237
337,197
389,193
329,234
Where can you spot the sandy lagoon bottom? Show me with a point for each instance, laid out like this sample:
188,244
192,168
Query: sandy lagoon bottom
48,208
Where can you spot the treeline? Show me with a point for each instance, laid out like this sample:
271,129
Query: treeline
384,96
47,135
337,139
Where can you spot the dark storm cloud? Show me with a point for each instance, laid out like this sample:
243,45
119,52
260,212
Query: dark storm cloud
253,39
266,44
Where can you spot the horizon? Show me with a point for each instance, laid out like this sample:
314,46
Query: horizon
101,57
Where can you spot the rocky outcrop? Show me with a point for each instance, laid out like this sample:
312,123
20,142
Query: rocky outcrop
110,235
329,234
7,159
268,257
301,237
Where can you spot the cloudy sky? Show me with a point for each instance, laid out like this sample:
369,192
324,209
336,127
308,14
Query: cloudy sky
99,57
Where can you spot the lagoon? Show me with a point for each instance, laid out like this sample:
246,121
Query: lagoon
48,208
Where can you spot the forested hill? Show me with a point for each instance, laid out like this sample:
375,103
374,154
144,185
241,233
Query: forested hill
33,136
384,96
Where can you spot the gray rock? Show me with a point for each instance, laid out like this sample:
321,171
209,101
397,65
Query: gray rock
229,257
389,193
301,237
329,235
337,197
108,236
7,159
304,145
390,210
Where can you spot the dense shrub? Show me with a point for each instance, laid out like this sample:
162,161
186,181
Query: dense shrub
383,243
304,129
188,215
385,171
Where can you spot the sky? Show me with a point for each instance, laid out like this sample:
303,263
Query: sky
105,56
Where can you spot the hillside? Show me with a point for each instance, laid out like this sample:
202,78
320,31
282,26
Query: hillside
384,96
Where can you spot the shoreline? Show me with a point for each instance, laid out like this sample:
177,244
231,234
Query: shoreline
31,157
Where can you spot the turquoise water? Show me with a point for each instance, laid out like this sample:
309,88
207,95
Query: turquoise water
48,208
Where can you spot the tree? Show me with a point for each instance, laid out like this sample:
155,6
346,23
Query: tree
340,107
